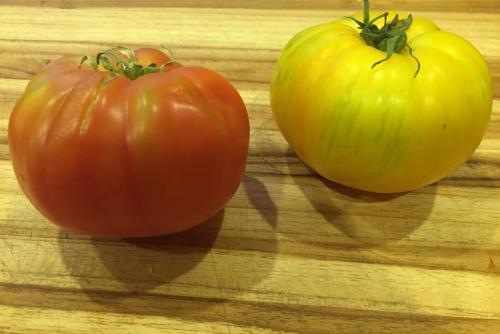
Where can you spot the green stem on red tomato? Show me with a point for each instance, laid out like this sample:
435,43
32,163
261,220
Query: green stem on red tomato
122,61
391,38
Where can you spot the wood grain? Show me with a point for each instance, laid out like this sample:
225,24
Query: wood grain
428,5
291,252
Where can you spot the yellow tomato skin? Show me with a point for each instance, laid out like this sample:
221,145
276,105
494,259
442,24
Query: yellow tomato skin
382,129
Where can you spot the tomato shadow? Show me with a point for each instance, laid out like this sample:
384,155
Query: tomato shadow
128,268
260,199
191,275
366,219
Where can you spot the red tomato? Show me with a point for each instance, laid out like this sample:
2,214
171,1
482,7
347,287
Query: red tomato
129,158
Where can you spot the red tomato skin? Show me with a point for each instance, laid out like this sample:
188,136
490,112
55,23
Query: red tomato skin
121,158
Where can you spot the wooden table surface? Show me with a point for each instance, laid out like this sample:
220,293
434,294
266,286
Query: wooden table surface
291,253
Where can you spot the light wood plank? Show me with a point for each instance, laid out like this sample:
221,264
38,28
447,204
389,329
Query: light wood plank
428,5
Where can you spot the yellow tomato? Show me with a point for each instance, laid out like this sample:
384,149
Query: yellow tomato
385,128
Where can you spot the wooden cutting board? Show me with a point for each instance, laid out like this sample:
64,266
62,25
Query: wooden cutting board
291,253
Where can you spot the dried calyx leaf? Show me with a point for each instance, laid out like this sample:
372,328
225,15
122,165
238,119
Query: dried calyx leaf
391,38
122,61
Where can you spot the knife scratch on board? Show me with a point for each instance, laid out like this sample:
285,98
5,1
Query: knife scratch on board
491,264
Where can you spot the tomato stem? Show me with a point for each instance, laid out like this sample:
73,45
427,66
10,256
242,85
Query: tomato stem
391,38
122,61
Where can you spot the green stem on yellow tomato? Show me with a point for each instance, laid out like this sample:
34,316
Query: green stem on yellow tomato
391,38
122,61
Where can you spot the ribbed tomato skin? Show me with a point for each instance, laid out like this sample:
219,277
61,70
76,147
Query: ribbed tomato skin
381,129
129,158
